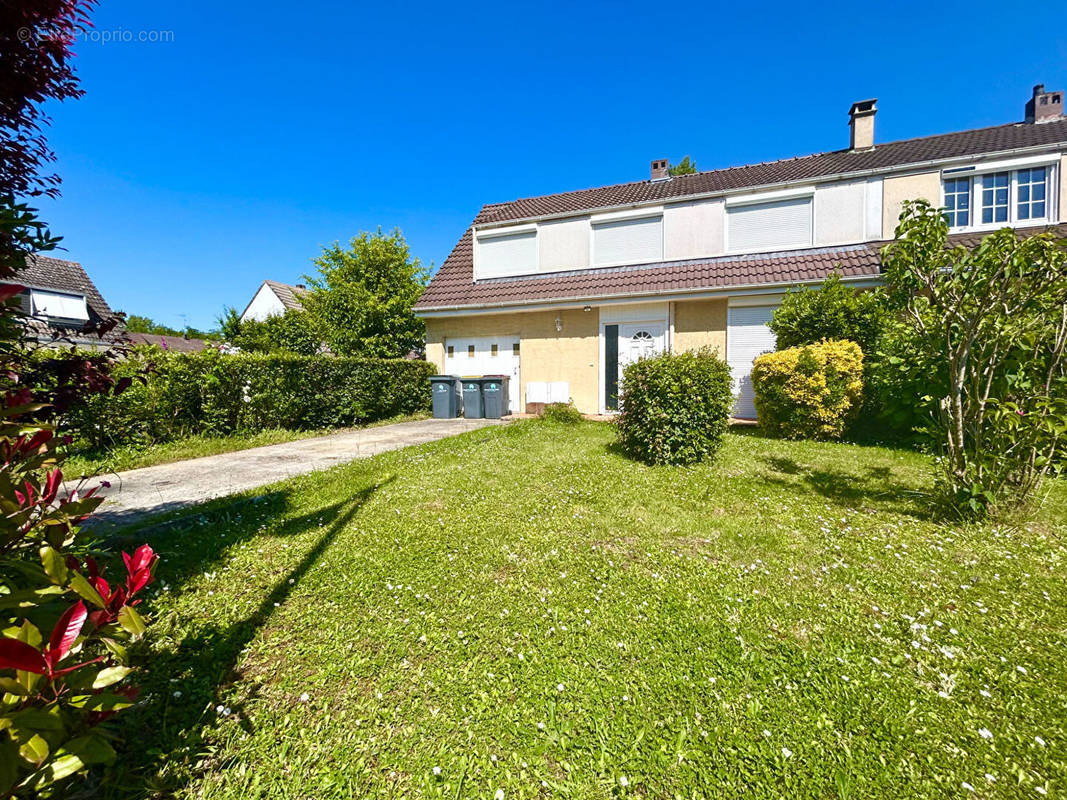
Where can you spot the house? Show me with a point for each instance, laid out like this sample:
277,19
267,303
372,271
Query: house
272,299
59,301
562,291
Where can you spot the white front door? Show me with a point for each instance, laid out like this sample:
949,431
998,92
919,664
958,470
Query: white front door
474,356
747,336
638,340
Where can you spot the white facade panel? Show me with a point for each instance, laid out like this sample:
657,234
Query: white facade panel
564,244
747,336
506,254
628,241
693,230
840,213
766,227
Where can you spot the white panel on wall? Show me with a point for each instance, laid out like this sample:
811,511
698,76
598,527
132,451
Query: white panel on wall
508,254
692,230
873,228
628,241
840,213
769,226
563,244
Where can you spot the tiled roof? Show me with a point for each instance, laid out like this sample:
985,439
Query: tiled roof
45,272
821,165
454,286
287,294
176,344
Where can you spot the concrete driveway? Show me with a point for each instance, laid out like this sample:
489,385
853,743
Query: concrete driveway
141,493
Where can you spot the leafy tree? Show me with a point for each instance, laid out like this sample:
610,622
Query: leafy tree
292,332
988,326
833,311
135,323
364,294
684,167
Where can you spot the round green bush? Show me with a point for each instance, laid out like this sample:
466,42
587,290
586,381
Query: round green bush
564,413
675,407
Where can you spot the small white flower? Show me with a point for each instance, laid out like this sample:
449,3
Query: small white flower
499,794
436,770
559,687
984,693
177,695
990,778
623,781
226,711
522,657
1040,790
1021,670
492,758
787,752
219,708
967,786
1039,740
304,697
985,733
540,726
767,733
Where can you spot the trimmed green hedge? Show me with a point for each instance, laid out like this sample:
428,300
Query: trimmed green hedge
217,394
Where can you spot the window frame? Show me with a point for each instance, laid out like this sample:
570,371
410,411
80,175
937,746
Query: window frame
977,176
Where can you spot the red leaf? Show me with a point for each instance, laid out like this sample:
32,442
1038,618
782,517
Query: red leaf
142,557
9,290
52,484
15,654
65,632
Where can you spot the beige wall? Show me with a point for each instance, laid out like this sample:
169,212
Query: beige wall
840,212
895,191
700,323
564,244
545,354
693,230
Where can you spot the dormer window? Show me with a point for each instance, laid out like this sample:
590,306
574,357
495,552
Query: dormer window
1001,197
58,306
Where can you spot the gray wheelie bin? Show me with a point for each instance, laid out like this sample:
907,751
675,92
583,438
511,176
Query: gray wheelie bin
472,398
447,396
495,396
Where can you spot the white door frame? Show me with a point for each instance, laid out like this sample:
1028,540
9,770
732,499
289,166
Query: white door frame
657,313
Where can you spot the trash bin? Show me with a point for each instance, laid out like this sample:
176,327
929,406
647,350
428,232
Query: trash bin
495,396
472,398
447,396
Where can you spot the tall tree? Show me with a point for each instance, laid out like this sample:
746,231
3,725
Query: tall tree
363,296
684,167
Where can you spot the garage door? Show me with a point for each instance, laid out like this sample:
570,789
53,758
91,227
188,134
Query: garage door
747,336
485,355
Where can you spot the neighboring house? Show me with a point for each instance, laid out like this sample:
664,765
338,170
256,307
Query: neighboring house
273,299
59,301
562,291
177,344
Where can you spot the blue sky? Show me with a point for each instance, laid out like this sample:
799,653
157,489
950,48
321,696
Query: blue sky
194,168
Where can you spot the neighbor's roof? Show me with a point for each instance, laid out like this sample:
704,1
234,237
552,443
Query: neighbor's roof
45,272
289,295
177,344
453,286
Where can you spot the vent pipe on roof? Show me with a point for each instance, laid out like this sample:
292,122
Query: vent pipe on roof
659,170
861,124
1044,106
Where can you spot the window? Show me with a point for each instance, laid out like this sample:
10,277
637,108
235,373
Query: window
506,254
995,197
779,225
451,351
493,350
470,351
1030,193
515,349
628,241
57,305
958,202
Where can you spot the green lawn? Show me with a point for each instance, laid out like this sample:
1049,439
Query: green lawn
136,456
523,609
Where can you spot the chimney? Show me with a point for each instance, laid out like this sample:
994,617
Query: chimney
659,170
1044,106
301,286
861,124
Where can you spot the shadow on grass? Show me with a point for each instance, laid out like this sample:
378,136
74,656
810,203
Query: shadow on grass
872,486
163,736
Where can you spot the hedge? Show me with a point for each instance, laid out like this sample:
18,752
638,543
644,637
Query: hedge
810,392
183,394
675,407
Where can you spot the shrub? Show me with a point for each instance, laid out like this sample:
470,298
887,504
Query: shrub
675,407
833,311
564,413
990,327
219,394
809,392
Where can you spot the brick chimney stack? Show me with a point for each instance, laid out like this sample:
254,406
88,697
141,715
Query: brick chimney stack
659,169
1044,106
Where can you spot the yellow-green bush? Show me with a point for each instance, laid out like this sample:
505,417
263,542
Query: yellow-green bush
810,392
